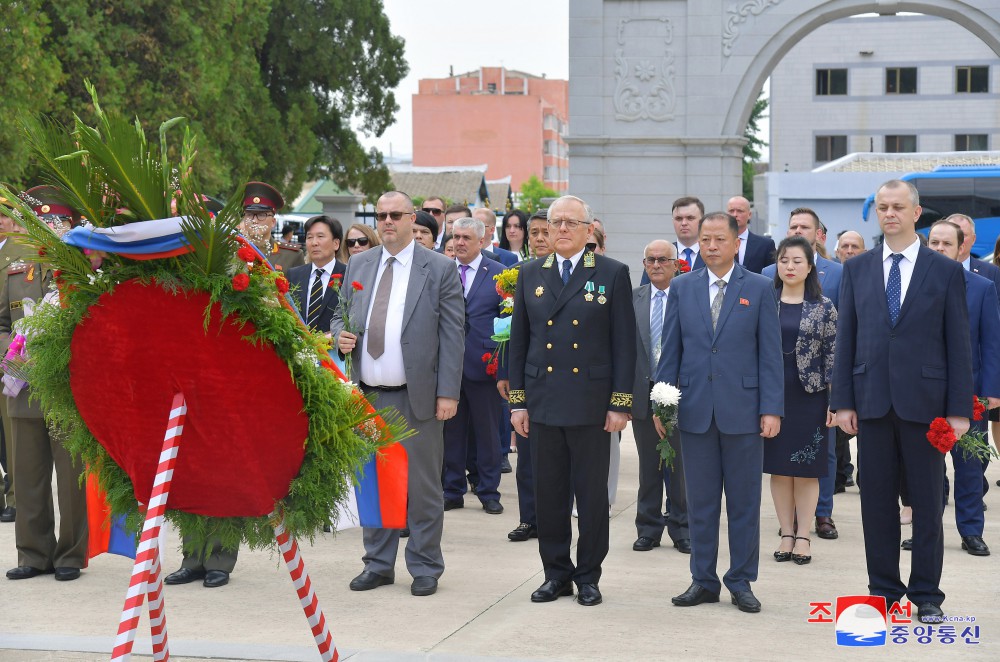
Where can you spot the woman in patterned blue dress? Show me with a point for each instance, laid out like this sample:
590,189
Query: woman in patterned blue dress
796,457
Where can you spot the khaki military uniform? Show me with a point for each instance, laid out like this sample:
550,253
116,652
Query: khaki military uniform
283,256
9,253
36,452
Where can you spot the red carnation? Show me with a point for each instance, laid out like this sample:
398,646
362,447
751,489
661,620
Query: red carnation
941,435
282,285
337,276
241,282
486,357
491,369
41,252
683,266
57,273
247,254
978,409
357,286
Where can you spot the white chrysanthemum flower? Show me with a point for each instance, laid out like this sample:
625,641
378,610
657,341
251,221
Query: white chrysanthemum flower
665,395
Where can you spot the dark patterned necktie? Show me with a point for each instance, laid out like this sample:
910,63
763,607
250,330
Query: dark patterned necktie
567,265
315,298
894,288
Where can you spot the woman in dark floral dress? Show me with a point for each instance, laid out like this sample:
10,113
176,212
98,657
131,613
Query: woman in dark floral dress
796,457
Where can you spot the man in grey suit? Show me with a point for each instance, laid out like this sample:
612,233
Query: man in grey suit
650,303
722,349
406,336
804,222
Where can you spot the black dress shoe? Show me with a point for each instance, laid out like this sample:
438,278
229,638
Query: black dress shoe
366,581
505,467
215,579
493,507
552,589
907,544
826,529
588,595
849,482
8,514
839,489
424,586
645,544
25,572
523,532
974,545
452,504
683,546
184,576
695,595
67,574
746,601
929,612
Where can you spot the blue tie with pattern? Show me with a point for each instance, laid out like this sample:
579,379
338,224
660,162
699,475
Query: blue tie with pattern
894,288
655,333
567,265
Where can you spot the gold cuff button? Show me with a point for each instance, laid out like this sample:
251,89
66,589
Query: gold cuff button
550,368
575,346
548,346
576,370
576,322
550,322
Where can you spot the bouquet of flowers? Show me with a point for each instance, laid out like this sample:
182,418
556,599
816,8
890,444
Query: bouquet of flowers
665,398
344,304
972,443
506,286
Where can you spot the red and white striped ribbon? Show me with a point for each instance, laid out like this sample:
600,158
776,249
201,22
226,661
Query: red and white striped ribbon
303,586
157,610
147,554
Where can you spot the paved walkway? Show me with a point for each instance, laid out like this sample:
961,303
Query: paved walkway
482,610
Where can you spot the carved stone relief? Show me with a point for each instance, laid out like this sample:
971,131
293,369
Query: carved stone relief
644,70
737,15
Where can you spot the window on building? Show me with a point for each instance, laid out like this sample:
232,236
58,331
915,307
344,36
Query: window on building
898,144
971,142
901,80
829,148
831,81
972,79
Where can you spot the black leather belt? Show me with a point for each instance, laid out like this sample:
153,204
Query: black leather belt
401,387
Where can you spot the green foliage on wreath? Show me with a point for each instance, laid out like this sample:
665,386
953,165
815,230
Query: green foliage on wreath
112,167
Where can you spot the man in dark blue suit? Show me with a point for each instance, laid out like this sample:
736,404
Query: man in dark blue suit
804,222
501,255
722,349
315,297
756,252
903,359
479,404
686,213
946,238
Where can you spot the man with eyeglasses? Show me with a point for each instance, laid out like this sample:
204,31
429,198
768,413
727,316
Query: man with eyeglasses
409,354
435,206
572,362
650,303
260,204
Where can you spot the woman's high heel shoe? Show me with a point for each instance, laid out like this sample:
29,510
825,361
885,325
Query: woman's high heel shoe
781,556
802,559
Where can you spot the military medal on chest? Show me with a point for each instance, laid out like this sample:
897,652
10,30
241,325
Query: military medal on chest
539,291
589,296
601,299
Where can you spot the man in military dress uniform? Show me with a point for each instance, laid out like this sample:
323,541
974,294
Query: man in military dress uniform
572,364
10,251
39,550
260,204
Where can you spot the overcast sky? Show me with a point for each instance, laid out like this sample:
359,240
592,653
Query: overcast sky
527,35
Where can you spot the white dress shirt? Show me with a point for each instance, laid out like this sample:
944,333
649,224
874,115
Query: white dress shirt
713,289
695,251
388,369
744,239
966,263
470,275
574,260
327,272
905,266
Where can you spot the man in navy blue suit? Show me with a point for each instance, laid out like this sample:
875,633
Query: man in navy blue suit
903,359
946,238
686,213
479,404
756,252
804,222
315,297
722,349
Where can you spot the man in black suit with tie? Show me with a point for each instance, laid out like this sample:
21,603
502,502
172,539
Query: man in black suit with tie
572,357
976,266
903,359
686,213
756,252
315,298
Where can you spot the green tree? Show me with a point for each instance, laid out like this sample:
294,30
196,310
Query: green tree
532,192
751,151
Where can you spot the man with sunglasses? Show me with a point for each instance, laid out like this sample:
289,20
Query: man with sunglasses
412,312
260,204
572,366
435,206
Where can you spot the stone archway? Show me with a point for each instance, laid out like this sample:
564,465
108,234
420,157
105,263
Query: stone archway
660,91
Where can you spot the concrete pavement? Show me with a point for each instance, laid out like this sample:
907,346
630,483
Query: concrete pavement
482,609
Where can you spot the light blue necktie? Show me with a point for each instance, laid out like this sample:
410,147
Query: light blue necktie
655,333
567,265
894,288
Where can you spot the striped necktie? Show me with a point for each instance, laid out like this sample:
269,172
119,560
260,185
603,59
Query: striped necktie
315,298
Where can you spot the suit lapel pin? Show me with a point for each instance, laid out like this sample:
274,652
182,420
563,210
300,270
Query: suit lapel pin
601,299
589,296
539,291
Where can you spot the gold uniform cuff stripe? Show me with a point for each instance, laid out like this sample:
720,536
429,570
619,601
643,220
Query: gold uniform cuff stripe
516,396
621,399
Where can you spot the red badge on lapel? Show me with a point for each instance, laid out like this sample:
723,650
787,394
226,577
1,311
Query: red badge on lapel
744,302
